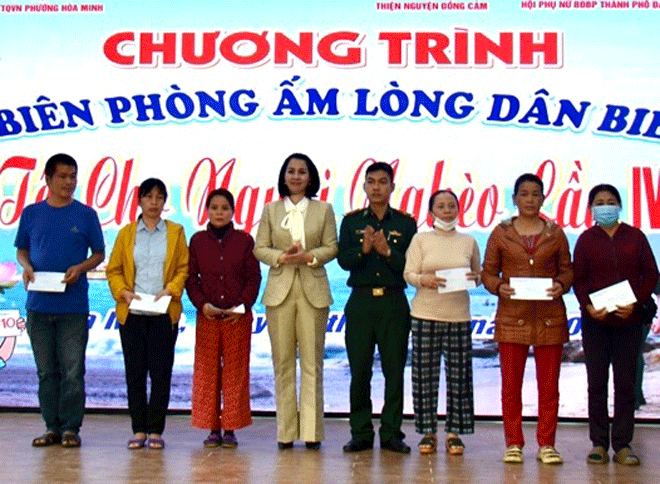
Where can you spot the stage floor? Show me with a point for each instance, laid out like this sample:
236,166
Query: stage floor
103,457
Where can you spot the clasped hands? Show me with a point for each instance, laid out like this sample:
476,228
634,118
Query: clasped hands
213,312
375,240
295,254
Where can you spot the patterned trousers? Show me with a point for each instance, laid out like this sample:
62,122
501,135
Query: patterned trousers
221,378
432,339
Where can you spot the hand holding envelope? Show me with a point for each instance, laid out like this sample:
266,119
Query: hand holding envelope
617,298
456,279
149,304
47,282
532,288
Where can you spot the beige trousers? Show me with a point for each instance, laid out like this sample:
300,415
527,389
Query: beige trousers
296,323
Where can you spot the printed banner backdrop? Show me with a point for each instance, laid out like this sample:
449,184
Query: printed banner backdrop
460,95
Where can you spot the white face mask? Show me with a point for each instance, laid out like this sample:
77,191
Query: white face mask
442,225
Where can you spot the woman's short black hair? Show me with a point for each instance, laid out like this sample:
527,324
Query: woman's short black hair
527,177
440,192
604,187
314,179
220,192
147,185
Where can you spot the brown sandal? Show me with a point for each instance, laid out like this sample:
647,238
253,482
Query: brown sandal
70,439
428,444
49,438
454,446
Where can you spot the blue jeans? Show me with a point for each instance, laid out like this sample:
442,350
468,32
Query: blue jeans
58,343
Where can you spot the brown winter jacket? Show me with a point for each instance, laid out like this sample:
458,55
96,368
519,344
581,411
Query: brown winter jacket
528,322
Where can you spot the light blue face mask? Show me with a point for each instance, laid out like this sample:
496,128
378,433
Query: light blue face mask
606,215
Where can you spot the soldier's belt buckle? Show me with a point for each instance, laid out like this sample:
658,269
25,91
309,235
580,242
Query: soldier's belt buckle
378,291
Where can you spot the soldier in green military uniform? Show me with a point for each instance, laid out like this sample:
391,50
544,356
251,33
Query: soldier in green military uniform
372,246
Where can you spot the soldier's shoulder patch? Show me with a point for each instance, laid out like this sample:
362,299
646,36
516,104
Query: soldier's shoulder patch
353,212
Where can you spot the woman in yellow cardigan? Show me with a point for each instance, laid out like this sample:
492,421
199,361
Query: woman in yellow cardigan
149,260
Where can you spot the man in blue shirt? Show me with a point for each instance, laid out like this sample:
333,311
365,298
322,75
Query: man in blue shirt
54,236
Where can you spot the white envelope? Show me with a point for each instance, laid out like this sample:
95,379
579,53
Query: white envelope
456,279
531,288
239,309
147,304
8,318
620,293
47,282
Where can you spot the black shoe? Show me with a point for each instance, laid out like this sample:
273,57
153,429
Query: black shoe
313,445
357,445
395,444
285,445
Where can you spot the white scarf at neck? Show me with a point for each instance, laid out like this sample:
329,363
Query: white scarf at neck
294,221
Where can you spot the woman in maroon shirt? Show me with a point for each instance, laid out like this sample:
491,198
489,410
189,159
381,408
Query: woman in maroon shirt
223,284
608,253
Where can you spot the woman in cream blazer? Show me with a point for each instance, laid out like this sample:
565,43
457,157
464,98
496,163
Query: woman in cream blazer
296,237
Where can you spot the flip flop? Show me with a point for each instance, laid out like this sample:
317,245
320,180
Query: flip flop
156,444
70,439
136,443
49,438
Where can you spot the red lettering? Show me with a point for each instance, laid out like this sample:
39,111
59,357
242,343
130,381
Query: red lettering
541,173
488,201
549,48
303,50
465,200
261,48
325,191
461,48
326,49
652,197
564,205
248,197
484,46
207,56
637,197
113,46
18,203
395,50
431,44
102,186
417,204
149,46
